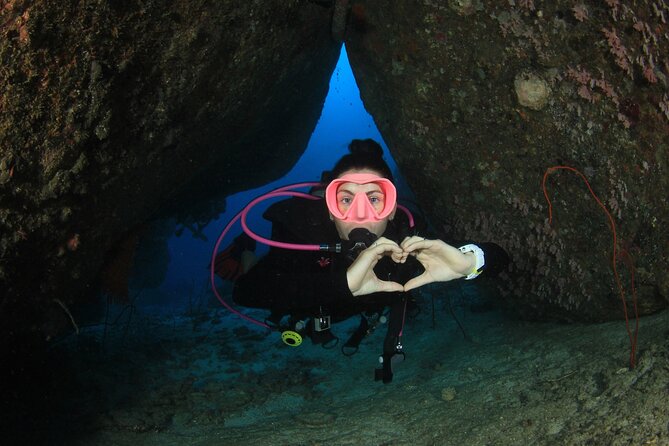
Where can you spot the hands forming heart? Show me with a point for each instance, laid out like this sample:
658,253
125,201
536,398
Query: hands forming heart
442,262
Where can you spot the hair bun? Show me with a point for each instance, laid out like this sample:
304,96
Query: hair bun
367,147
363,154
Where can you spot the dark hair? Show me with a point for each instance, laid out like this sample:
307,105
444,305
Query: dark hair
364,154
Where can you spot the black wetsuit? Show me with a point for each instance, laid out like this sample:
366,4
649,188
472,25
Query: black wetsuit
311,283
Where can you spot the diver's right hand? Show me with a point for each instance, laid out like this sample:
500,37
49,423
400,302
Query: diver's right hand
360,275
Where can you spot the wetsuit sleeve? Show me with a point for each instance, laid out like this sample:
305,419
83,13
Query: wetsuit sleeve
496,258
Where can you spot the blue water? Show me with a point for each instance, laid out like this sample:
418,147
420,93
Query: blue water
343,118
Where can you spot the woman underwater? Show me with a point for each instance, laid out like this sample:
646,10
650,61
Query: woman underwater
382,260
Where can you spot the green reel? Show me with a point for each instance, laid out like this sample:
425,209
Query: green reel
291,338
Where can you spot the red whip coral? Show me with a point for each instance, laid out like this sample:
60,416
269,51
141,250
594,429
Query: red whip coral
633,336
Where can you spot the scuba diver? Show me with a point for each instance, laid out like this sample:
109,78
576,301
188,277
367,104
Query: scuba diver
368,258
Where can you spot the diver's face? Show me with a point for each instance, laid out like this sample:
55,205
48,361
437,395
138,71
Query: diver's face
346,194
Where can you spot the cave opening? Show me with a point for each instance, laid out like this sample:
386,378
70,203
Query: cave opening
170,270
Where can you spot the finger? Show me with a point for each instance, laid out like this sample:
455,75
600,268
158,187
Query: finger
417,247
385,247
408,240
384,241
398,257
389,287
416,282
415,243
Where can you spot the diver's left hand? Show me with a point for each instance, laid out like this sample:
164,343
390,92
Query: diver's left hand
442,262
360,275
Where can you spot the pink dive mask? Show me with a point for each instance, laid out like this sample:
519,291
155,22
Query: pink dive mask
358,207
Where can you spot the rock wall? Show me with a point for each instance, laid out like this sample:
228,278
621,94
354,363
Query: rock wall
478,100
111,110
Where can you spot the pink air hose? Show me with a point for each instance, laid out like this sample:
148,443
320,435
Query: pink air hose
284,191
280,192
266,241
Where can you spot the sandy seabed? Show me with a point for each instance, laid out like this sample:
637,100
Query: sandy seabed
211,379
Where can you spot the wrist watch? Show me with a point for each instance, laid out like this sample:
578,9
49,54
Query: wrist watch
480,260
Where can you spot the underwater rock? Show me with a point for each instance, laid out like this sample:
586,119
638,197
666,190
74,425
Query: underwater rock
448,393
465,7
121,112
475,109
532,91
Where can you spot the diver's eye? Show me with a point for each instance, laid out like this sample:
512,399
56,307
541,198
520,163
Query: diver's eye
376,199
346,200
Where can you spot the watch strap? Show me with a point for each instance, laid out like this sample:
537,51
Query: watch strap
480,260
